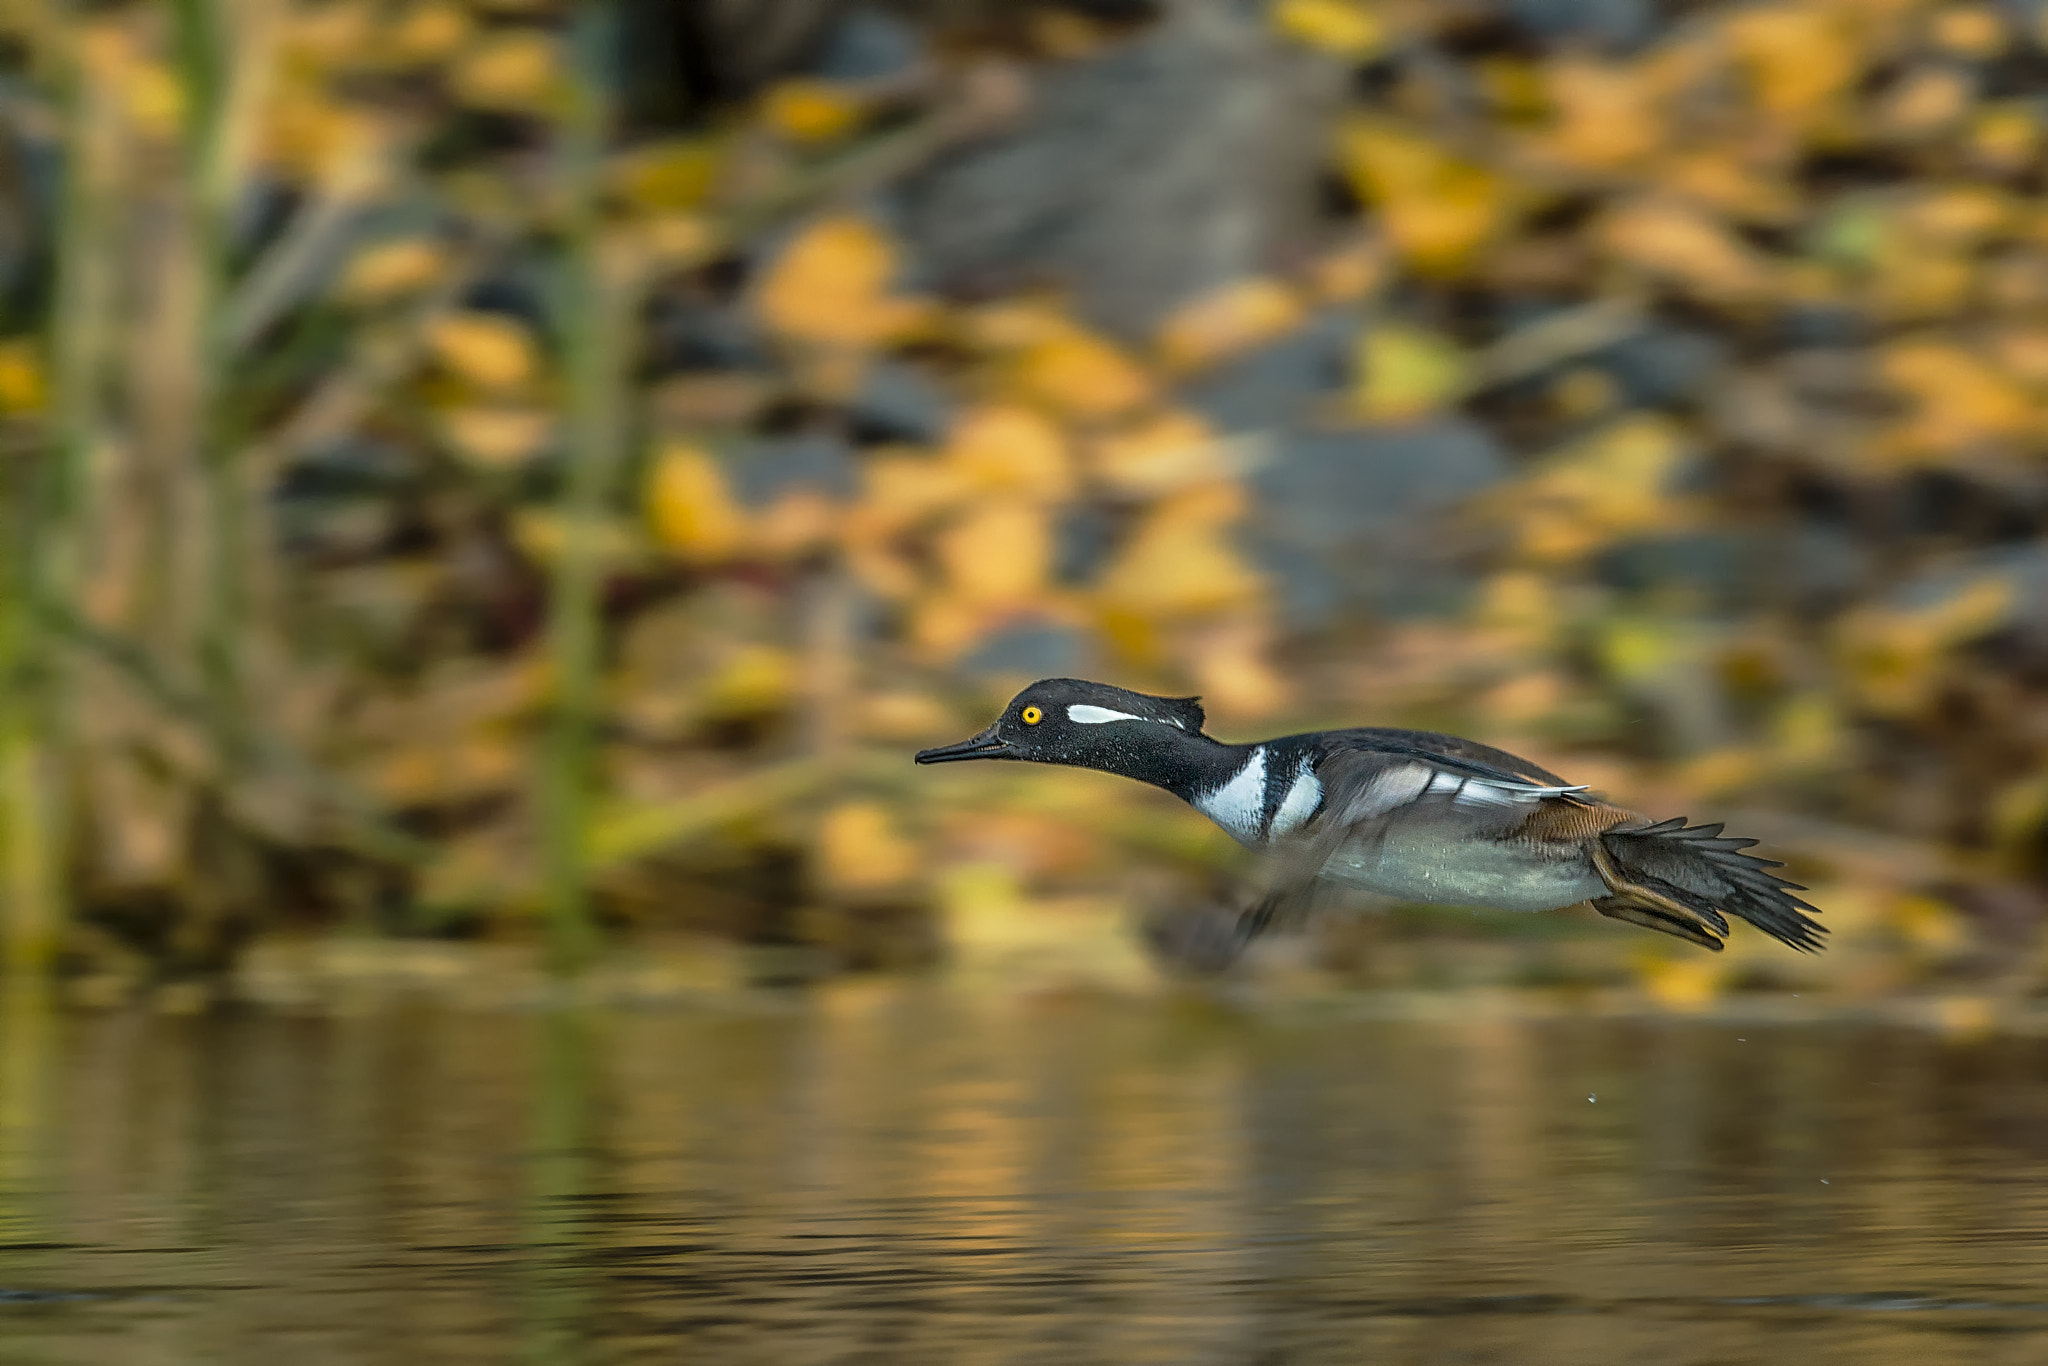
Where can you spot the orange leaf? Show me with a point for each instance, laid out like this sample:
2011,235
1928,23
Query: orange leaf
1181,560
809,111
1798,59
1160,453
489,350
1677,241
1082,376
831,285
999,555
1438,209
1234,318
1006,447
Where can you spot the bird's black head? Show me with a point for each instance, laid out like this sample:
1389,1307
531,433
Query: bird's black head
1073,721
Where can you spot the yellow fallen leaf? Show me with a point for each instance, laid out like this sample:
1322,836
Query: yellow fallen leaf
860,850
1912,279
1180,561
1928,924
512,71
22,387
1959,401
797,523
154,97
943,625
393,268
1405,372
2018,814
998,555
1681,983
1522,606
1344,27
1925,101
810,111
2006,137
1808,731
1675,240
1007,448
678,241
1224,322
497,437
1606,114
1798,57
1160,453
2022,352
1233,669
1013,324
1723,180
690,507
1437,208
1351,272
1894,658
332,35
1081,375
1959,215
676,174
429,32
1974,31
489,350
752,680
898,490
831,285
1610,485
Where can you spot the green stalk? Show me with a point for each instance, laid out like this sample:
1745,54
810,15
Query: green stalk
44,507
204,51
590,322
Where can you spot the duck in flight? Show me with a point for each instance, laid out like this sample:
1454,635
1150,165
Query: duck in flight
1407,814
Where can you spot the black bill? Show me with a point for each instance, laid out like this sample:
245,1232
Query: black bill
983,746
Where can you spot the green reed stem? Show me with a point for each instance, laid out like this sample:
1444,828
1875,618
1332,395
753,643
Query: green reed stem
205,50
590,319
44,507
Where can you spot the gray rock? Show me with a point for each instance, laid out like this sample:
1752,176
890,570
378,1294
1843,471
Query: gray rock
1176,161
1274,385
899,402
1663,365
1030,650
1348,520
867,44
763,469
1613,23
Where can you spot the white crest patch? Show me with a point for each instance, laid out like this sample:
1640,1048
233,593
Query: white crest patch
1089,715
1239,806
1300,802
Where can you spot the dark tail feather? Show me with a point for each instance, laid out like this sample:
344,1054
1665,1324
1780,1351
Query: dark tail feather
1687,876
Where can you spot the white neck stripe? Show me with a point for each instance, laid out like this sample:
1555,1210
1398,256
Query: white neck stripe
1239,806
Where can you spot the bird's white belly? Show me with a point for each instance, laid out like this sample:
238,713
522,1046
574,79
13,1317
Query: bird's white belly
1463,873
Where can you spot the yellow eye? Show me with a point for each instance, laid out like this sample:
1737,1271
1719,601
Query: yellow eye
1032,716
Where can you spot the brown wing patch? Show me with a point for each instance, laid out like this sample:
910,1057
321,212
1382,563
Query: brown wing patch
1562,822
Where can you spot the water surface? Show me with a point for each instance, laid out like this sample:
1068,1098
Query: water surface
882,1174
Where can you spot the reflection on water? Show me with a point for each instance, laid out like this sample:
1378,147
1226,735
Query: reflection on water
901,1175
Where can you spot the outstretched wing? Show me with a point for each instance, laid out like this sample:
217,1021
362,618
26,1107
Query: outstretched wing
1389,776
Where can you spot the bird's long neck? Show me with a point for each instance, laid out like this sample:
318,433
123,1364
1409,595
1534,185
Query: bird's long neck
1252,791
1187,765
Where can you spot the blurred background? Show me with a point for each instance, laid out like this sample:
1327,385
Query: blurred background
528,475
495,491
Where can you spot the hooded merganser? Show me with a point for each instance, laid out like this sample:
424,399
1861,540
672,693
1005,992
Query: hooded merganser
1408,814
